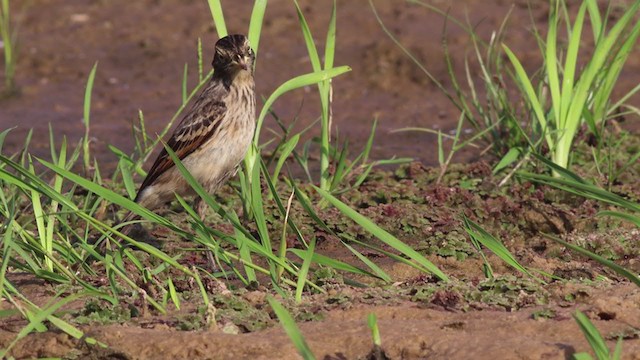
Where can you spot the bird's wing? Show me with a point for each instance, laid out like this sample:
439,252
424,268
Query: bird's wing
193,131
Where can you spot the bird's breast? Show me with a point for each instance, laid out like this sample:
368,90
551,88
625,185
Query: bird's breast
220,155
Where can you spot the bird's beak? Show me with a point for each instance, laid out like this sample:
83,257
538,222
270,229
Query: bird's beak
244,63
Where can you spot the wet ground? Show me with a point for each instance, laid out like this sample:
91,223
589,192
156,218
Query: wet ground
141,48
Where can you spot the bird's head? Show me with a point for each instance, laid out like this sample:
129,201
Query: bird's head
233,54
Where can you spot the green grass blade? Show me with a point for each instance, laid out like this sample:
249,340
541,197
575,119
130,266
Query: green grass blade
326,93
375,268
291,329
603,95
308,40
295,83
551,64
490,242
52,146
440,149
245,254
383,235
38,214
286,150
627,217
200,72
610,264
530,93
596,19
255,24
304,269
3,135
86,117
7,245
591,333
573,183
173,294
509,158
218,18
280,205
372,321
570,65
331,262
330,45
185,74
369,144
617,352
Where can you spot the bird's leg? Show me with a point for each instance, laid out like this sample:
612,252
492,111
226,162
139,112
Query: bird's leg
201,209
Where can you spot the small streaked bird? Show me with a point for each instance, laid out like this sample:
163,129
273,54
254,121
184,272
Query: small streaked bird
214,136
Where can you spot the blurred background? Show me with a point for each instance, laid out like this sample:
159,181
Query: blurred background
142,47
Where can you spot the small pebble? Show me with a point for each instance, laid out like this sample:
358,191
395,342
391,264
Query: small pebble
231,328
79,18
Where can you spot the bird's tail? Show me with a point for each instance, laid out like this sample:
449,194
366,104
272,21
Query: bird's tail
131,216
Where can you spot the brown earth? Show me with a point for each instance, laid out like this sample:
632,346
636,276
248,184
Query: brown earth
407,331
141,47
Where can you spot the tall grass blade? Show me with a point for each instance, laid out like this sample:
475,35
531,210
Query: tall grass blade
291,329
591,333
304,269
384,236
218,18
295,83
86,155
255,24
634,278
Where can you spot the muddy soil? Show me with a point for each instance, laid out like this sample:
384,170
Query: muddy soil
408,331
142,46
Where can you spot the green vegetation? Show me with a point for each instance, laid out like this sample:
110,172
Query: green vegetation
268,231
583,98
596,341
292,330
560,96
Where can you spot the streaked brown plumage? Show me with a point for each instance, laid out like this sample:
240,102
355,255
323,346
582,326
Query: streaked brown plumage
213,137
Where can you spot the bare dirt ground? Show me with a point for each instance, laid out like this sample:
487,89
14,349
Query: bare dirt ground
142,46
408,332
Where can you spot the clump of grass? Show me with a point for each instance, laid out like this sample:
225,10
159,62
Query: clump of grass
493,118
575,98
560,97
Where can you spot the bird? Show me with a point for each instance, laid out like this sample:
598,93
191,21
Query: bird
214,135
